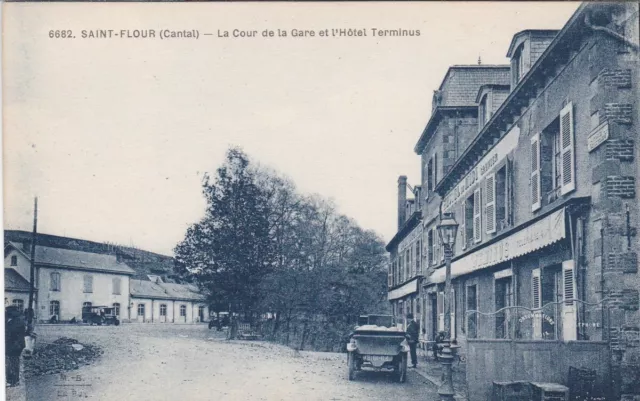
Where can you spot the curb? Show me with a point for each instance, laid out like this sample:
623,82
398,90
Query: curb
436,382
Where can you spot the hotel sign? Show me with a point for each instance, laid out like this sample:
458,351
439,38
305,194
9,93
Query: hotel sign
538,235
598,136
496,155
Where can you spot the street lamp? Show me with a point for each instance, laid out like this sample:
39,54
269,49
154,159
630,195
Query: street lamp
447,229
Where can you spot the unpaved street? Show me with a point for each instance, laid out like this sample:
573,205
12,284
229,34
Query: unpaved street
171,362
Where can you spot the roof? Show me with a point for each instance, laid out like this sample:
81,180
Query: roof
548,33
461,82
184,291
169,291
147,289
66,258
13,281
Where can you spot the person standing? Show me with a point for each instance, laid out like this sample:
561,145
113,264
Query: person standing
14,333
413,332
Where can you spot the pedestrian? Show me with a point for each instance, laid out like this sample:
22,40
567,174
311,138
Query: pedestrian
14,332
413,331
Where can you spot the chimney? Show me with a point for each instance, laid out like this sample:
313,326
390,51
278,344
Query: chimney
402,200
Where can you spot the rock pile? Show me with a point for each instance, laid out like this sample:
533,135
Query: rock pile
64,354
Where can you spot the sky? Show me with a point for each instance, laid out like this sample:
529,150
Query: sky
113,135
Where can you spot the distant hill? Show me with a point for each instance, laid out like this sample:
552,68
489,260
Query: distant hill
143,262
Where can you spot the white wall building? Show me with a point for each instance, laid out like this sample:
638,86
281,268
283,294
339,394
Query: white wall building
159,302
67,280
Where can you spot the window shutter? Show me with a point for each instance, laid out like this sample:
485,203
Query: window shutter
434,245
569,313
435,170
477,216
440,311
535,173
537,300
490,204
390,275
567,174
463,227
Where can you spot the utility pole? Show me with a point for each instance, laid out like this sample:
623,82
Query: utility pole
33,268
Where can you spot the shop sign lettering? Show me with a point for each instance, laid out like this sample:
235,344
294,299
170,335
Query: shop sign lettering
486,164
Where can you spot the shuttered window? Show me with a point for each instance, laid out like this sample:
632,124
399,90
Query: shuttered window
490,204
536,296
434,245
567,172
535,287
440,311
463,228
477,216
569,307
88,283
535,173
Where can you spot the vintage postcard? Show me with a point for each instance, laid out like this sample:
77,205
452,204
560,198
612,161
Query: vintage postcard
321,201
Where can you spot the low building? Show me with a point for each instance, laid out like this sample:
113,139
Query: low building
66,280
153,301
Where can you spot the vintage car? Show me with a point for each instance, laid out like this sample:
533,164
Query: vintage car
378,345
100,315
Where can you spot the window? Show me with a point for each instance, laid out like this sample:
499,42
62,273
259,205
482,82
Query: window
430,245
477,216
490,204
501,199
407,264
569,311
19,303
14,260
86,306
116,285
485,111
54,308
553,160
430,175
54,283
163,310
116,308
141,311
390,275
88,283
183,310
517,64
472,305
503,299
418,264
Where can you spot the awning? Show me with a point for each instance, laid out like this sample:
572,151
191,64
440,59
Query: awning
406,289
542,233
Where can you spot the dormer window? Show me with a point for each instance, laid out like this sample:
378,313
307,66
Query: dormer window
518,63
485,111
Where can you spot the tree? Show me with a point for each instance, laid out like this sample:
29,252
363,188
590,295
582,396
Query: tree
230,250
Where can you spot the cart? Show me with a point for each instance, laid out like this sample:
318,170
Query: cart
378,348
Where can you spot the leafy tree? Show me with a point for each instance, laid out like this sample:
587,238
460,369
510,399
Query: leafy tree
230,250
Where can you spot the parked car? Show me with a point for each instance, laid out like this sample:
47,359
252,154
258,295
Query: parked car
100,315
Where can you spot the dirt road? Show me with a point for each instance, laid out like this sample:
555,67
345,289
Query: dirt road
157,362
